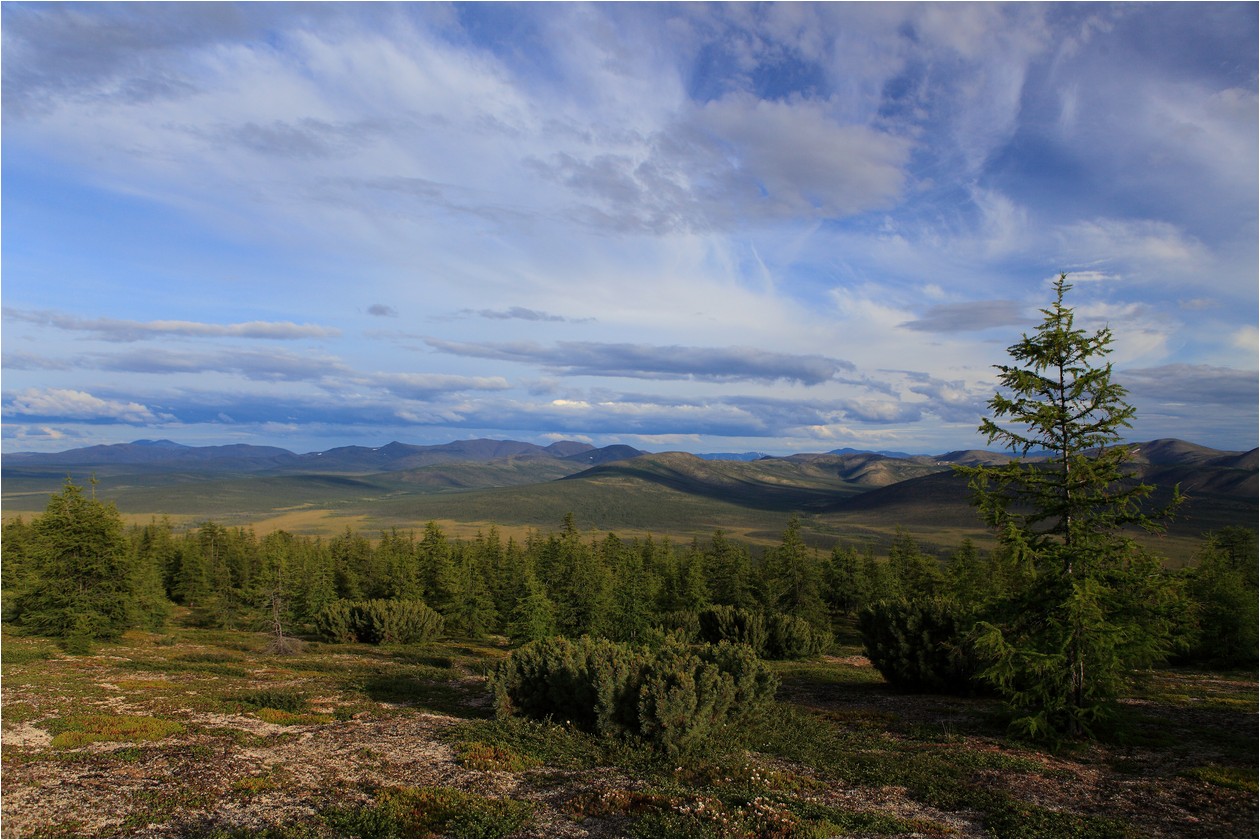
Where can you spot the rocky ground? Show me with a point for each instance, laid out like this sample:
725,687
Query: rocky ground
182,759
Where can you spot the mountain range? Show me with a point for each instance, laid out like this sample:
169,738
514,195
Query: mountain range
844,493
392,457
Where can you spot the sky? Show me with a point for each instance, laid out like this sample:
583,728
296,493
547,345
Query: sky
702,227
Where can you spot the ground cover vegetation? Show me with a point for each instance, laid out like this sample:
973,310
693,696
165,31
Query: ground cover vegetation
592,685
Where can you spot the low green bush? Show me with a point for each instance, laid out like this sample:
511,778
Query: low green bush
678,698
733,624
269,698
922,644
772,635
686,622
432,812
790,637
378,622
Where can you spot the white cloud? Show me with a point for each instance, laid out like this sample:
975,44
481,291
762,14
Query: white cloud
71,404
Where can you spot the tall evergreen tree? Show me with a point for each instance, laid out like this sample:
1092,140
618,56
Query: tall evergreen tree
632,591
793,579
352,565
275,588
533,617
1075,631
469,606
399,574
729,572
439,582
83,583
15,569
913,573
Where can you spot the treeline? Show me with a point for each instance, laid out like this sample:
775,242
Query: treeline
76,573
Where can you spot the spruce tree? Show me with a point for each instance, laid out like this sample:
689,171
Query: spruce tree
17,536
534,616
793,580
81,581
1074,632
352,563
729,572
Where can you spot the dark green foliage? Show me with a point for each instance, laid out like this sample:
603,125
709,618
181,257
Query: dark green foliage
79,579
1222,622
534,616
590,683
579,584
677,698
733,624
729,572
789,637
774,635
470,607
684,701
754,684
683,622
922,644
912,572
379,622
335,623
270,698
793,580
351,560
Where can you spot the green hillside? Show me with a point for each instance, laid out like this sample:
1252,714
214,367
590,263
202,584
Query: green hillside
859,499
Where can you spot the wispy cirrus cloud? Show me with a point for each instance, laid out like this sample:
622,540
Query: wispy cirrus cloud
522,313
640,361
115,329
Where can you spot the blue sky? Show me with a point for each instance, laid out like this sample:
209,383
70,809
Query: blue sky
780,228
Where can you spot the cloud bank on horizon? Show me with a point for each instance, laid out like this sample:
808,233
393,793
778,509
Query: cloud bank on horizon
710,227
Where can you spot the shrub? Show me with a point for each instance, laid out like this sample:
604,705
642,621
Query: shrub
686,622
922,644
677,698
588,682
790,637
335,623
733,624
379,621
683,700
754,683
774,635
270,698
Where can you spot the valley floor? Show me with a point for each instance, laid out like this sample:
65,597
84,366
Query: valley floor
202,733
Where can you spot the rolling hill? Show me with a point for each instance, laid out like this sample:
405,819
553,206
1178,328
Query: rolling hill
858,497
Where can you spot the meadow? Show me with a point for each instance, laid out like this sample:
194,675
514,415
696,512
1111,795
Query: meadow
199,732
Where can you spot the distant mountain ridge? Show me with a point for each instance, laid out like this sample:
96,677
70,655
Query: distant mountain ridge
396,456
391,457
857,494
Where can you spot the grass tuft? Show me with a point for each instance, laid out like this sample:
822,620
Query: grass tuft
432,812
1235,778
77,730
